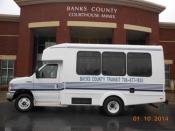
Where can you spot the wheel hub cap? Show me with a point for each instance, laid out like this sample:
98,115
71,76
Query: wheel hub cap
24,103
113,107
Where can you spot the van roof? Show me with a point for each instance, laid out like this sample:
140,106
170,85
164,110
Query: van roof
108,46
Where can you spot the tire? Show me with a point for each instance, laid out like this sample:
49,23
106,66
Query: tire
113,106
24,103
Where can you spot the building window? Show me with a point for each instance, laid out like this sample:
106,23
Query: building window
114,63
88,63
137,37
7,71
42,38
139,64
91,35
167,75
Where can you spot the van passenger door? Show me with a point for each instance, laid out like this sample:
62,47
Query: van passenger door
47,85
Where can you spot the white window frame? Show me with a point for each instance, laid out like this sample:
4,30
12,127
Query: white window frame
7,71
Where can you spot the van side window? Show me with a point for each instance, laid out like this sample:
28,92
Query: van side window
88,63
49,71
114,63
139,64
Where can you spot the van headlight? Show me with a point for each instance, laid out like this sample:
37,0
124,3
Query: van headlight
10,86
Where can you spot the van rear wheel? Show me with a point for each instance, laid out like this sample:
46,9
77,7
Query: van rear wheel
113,106
24,103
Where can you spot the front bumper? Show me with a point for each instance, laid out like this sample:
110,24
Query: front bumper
9,96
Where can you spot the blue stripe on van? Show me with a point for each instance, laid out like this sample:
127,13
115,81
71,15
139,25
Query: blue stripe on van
112,89
89,86
111,86
88,89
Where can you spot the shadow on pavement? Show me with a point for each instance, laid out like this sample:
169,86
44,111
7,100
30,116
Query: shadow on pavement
85,119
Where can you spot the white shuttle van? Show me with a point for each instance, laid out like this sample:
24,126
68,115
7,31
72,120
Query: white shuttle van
109,76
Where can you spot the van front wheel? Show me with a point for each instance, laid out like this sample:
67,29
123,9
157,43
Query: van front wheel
113,106
24,103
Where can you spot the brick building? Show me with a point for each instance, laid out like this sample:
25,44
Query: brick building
43,23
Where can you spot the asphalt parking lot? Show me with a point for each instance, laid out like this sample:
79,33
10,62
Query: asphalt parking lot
137,118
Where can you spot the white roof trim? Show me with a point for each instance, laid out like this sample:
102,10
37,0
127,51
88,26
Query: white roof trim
141,4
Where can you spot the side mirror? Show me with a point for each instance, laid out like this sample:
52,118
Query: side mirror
37,73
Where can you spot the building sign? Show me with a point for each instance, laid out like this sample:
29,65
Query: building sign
92,12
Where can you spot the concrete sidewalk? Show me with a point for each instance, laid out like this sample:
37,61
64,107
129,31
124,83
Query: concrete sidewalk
170,96
2,96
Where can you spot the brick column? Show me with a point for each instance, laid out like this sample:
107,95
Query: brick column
153,38
63,33
154,35
24,64
119,36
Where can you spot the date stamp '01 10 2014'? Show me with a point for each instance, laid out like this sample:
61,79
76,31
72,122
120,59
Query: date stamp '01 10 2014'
150,118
